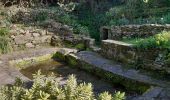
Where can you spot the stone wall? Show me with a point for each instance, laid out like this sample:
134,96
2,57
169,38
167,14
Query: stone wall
28,37
129,55
22,37
117,32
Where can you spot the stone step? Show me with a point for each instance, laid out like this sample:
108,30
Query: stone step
96,61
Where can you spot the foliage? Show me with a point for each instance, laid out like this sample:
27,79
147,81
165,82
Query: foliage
138,12
4,32
161,40
4,44
166,18
80,46
40,16
48,88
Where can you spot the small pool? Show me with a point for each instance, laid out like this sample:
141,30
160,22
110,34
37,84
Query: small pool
61,71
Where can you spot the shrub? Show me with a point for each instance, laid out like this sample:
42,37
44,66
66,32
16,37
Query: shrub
161,40
4,45
48,88
39,15
4,32
166,18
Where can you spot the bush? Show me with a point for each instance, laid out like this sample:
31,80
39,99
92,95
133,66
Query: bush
4,45
166,18
161,40
4,32
48,88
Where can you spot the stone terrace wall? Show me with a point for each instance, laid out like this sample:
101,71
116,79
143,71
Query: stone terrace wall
22,37
117,32
29,37
128,54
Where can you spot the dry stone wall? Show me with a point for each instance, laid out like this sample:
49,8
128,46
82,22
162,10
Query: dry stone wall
22,37
29,37
128,54
118,32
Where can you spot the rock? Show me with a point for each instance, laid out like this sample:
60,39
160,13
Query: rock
22,39
89,42
29,45
35,34
44,39
13,32
117,32
21,31
118,50
13,36
49,33
153,92
56,41
43,32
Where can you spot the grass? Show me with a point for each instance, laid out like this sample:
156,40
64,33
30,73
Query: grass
4,32
161,40
4,41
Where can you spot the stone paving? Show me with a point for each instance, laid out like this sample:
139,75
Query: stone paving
8,73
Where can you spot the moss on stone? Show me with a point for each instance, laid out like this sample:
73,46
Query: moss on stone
80,46
59,55
131,85
72,61
26,62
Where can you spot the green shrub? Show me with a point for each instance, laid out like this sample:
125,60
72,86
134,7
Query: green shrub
40,15
4,32
48,88
4,45
166,18
80,46
161,40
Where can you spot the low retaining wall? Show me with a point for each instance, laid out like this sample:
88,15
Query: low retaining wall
117,32
28,37
22,37
128,54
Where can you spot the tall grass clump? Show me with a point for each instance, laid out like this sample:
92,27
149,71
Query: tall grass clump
48,88
4,41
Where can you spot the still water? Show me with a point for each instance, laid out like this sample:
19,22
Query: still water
61,71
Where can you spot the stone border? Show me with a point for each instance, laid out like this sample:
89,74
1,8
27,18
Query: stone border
114,73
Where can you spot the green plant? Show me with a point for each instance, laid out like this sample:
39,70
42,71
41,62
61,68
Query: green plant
166,18
4,32
48,88
4,44
40,15
80,46
161,40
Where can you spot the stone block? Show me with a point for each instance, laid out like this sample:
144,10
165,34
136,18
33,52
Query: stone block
29,45
35,35
44,39
22,39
